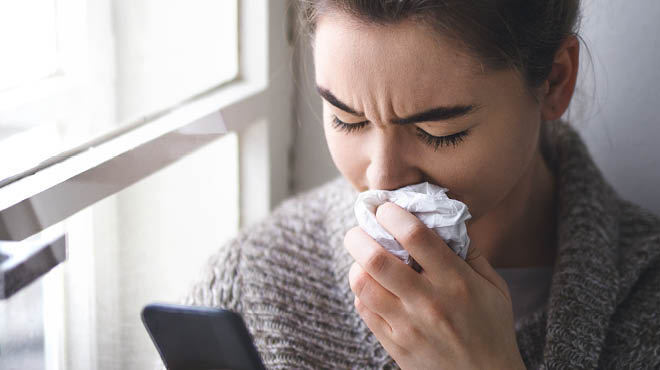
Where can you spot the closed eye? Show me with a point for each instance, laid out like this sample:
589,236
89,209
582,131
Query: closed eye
347,127
434,141
440,141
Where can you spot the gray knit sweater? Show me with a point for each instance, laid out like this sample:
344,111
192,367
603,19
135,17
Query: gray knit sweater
288,278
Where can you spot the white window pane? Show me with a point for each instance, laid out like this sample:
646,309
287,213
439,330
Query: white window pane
170,50
117,61
22,329
28,43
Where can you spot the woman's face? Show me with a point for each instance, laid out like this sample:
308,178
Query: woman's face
402,105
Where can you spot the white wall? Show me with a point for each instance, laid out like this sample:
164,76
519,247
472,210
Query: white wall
615,106
621,125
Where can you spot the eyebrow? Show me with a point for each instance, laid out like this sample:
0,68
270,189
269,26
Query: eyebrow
434,114
327,95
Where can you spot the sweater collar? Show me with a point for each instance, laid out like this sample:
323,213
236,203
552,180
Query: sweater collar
586,280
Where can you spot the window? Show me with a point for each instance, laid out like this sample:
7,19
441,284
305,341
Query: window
137,145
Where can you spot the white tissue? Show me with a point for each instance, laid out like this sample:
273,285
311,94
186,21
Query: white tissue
429,203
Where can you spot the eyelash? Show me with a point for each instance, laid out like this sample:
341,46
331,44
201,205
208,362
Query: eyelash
347,127
434,141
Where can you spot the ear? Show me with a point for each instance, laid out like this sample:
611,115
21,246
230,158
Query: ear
560,85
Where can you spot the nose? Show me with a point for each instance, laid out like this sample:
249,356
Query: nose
390,165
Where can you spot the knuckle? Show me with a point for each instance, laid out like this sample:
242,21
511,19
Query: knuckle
406,334
431,311
359,283
359,306
376,262
435,314
459,288
414,233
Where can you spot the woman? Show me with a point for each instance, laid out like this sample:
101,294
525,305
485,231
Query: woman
467,95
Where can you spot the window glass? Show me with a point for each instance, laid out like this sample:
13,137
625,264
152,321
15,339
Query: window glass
22,329
75,70
28,43
170,50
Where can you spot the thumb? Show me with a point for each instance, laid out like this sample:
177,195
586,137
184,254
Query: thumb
481,266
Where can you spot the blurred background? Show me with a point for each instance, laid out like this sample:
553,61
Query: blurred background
150,132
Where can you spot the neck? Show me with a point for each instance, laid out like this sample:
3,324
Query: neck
520,231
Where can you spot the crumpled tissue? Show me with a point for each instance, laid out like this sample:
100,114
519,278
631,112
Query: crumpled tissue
429,203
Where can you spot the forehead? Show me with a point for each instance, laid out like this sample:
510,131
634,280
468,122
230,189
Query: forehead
404,59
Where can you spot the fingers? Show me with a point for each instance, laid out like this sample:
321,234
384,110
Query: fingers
374,321
381,329
481,266
372,294
389,271
424,245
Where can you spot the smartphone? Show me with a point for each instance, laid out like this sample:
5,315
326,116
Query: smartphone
200,338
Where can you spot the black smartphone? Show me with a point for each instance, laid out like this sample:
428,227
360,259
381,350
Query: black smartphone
200,338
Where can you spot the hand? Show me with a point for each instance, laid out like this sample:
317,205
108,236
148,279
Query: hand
455,314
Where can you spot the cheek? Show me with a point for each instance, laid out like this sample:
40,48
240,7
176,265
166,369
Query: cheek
489,165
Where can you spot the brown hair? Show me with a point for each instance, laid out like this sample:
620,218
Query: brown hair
520,34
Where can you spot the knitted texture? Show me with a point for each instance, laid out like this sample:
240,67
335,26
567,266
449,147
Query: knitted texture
288,277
